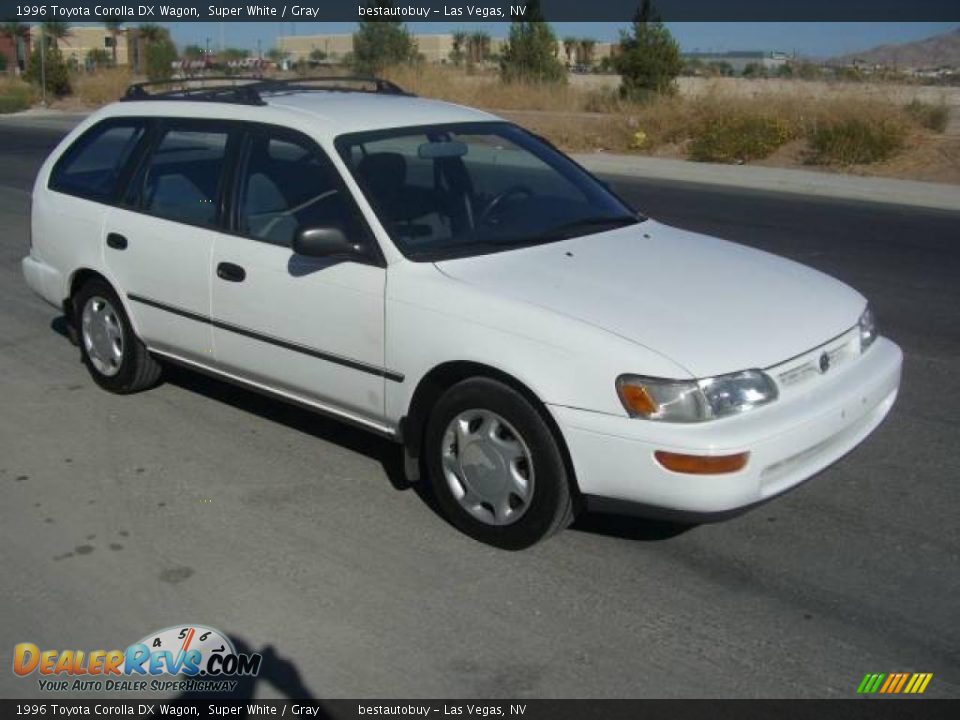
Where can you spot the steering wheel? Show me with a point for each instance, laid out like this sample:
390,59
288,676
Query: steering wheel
500,198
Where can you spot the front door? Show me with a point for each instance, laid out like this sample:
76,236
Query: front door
309,327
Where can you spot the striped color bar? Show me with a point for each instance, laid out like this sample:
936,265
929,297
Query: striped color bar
894,683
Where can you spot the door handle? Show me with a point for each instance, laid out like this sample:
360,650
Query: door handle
230,272
116,241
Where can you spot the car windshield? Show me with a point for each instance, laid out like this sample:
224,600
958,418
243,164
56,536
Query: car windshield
463,189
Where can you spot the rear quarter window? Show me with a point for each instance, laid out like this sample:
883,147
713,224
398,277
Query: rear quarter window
92,166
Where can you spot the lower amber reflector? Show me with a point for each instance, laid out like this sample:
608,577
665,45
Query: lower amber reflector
702,464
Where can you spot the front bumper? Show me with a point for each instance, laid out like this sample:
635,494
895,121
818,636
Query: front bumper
789,441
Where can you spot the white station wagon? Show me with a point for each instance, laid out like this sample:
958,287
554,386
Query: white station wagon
445,278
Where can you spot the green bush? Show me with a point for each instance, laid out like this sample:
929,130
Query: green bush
160,57
15,98
378,45
855,141
3,63
739,137
932,117
648,59
528,55
54,69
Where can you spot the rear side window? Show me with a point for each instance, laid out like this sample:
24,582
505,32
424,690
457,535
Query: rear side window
181,180
92,166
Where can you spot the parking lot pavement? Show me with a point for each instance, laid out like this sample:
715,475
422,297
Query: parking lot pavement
199,503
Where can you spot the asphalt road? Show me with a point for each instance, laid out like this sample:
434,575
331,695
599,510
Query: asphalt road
197,502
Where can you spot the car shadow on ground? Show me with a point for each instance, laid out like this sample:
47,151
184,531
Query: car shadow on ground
387,453
629,527
275,670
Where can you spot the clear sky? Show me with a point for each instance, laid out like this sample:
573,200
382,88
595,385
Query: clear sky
810,39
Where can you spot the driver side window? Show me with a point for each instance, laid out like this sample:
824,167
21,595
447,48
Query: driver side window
287,185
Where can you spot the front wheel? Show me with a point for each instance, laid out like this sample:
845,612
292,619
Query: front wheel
495,468
116,358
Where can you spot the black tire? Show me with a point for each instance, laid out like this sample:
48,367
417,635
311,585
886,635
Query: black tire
550,506
137,370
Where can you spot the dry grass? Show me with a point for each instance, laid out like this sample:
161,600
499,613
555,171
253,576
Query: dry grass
102,87
486,90
712,125
15,95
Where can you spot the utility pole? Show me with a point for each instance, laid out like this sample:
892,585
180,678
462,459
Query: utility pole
43,63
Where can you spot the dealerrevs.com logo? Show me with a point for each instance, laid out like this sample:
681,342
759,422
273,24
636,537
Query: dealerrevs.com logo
200,658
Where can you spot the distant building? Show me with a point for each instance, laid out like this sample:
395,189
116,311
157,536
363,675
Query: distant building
739,59
434,47
76,46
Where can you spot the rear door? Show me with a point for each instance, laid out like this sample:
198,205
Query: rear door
159,240
310,327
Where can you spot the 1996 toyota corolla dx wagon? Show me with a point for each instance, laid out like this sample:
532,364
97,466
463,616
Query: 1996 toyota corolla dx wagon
443,277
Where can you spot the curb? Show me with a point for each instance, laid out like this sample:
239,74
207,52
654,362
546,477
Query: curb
939,196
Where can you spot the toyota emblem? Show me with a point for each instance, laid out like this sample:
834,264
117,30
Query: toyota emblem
824,362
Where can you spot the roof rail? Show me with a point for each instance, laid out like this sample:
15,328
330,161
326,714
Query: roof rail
229,89
247,89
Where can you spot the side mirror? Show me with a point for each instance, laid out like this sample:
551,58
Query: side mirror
324,242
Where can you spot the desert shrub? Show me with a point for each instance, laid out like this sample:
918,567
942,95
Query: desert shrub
160,55
54,70
102,87
15,96
855,140
930,116
739,137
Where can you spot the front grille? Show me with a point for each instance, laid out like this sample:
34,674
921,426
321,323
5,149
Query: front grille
808,367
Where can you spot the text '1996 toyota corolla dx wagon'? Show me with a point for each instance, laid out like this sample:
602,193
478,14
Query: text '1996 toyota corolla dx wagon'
445,278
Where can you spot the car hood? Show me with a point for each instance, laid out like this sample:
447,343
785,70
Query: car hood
709,305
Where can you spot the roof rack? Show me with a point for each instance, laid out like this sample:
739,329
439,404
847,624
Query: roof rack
247,89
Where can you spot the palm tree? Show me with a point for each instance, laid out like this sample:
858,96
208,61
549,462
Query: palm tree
456,54
147,35
586,50
478,47
56,30
569,47
151,32
16,31
113,27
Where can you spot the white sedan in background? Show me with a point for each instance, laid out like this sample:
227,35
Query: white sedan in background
443,277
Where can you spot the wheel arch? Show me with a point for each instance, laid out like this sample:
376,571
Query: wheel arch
444,376
77,279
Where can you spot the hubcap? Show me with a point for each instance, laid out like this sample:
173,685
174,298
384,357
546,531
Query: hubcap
488,467
102,335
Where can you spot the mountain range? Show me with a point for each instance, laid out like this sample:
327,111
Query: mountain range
937,51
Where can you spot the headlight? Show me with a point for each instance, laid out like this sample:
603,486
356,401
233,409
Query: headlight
868,329
695,400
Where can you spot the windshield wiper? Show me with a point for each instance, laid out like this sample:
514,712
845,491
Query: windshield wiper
569,229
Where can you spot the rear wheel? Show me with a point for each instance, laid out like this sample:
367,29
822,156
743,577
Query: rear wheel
494,466
112,352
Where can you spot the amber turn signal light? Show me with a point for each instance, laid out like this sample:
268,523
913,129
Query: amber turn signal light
702,464
638,400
